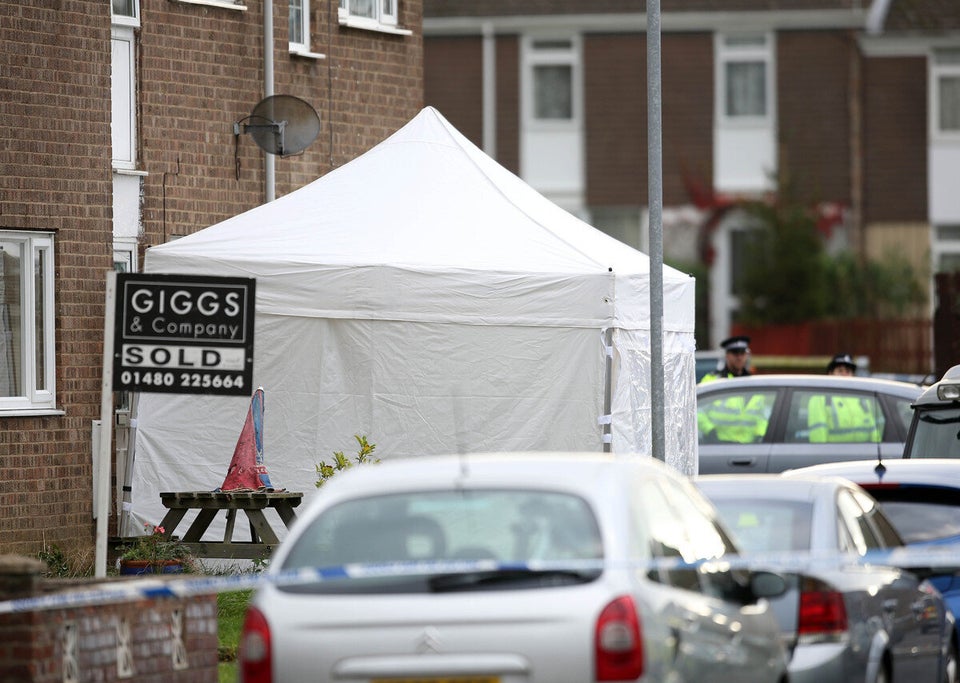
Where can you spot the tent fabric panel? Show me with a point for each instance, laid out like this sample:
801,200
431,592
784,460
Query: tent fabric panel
393,293
411,389
631,400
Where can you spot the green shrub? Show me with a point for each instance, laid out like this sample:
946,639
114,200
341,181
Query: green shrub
341,462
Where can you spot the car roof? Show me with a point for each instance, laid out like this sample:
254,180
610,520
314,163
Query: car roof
756,486
941,471
888,386
582,473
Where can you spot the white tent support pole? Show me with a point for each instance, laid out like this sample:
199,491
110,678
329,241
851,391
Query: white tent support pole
106,429
269,175
608,387
655,190
127,492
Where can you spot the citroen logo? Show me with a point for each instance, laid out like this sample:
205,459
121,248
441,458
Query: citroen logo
429,641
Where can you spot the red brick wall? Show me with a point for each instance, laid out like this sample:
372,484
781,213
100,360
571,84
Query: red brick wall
615,97
33,648
813,102
895,139
55,156
453,82
508,102
200,69
687,91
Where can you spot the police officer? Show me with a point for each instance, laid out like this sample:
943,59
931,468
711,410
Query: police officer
842,364
736,359
841,418
737,418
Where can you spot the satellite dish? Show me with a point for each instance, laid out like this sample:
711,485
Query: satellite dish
281,124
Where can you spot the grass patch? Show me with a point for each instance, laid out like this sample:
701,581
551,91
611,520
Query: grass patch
231,607
230,610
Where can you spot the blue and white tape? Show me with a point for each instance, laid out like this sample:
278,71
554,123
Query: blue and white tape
188,585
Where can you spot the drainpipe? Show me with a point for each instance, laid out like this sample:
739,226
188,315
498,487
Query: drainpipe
269,190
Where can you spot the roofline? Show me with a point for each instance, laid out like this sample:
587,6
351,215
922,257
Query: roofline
905,45
637,22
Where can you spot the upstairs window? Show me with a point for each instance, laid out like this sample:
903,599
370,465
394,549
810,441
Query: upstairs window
27,368
125,17
371,14
945,73
551,65
745,89
125,12
299,25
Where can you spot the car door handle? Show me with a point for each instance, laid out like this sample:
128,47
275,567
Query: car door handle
743,461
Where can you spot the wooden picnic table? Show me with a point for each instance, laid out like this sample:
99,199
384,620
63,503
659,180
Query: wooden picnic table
209,503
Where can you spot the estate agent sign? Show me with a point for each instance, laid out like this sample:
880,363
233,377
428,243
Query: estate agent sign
184,334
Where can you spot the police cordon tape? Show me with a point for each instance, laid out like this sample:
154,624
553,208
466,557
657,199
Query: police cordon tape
173,586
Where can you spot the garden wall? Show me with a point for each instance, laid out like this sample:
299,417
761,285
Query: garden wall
164,640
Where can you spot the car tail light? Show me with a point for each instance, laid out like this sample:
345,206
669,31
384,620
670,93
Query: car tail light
255,655
822,615
618,648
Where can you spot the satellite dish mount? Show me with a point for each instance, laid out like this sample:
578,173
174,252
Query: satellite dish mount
280,124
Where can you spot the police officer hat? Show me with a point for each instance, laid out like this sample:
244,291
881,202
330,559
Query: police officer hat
738,343
842,359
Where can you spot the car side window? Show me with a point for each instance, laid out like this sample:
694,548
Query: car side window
834,417
681,530
874,513
734,416
904,412
860,537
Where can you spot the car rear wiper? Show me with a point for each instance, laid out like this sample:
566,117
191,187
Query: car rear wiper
499,579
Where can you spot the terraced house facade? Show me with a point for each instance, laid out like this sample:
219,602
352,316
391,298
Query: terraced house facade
125,127
856,101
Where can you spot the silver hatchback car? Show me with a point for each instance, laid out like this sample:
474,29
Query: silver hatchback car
846,619
780,422
511,568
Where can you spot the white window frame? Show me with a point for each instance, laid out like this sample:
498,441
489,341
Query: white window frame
132,20
533,55
302,45
386,14
37,395
123,46
728,53
941,67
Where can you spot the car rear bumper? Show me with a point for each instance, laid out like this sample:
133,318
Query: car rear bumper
825,663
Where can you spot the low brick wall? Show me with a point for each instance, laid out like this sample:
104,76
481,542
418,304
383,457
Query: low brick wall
167,640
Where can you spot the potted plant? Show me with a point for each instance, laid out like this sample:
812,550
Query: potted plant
154,554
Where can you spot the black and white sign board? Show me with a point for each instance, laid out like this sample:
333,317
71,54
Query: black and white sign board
184,334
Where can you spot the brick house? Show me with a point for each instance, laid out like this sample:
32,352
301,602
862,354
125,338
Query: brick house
119,134
857,101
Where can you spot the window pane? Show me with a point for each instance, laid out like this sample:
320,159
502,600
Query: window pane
363,8
950,103
39,320
948,232
553,92
949,263
388,8
125,8
818,417
11,325
746,89
296,21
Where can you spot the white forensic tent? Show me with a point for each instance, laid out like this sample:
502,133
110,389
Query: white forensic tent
424,297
